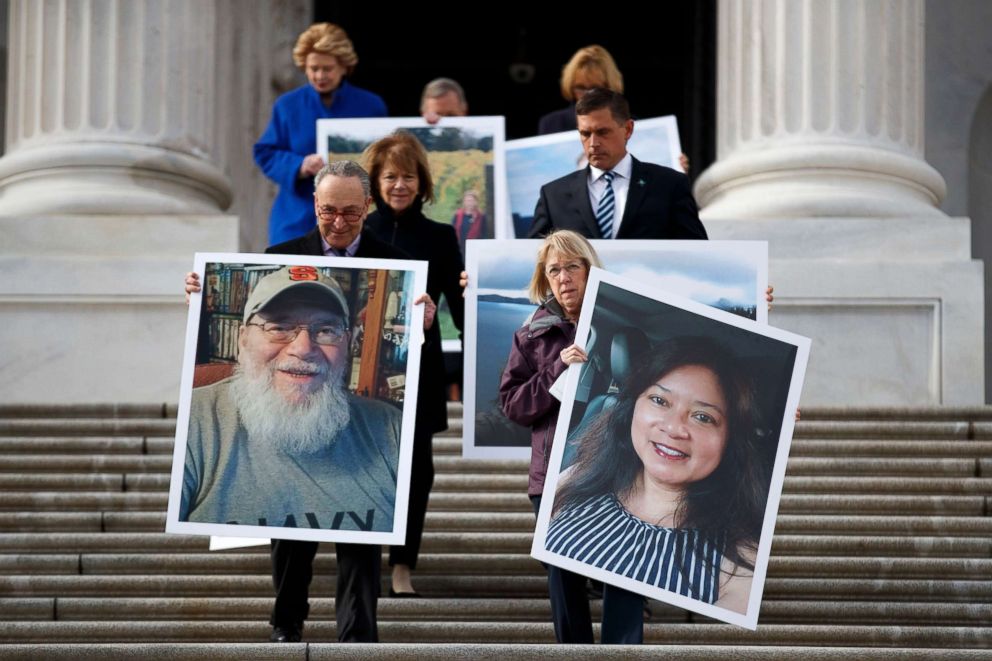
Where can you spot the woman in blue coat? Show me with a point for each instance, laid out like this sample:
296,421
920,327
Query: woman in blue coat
286,151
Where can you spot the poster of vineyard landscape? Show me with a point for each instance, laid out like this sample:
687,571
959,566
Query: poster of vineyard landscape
465,155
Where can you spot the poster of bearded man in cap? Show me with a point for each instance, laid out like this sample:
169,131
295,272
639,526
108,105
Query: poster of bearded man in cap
297,399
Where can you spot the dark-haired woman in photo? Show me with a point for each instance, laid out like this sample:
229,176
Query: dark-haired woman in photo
669,486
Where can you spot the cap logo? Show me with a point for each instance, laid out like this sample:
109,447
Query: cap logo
298,273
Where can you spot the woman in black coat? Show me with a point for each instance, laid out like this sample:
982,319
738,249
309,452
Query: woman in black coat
401,183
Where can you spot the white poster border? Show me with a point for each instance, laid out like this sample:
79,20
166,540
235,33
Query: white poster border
258,534
749,618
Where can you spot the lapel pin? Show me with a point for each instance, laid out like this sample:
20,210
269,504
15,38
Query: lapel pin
641,182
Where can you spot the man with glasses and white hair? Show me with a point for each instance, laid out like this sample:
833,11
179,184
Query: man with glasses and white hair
342,197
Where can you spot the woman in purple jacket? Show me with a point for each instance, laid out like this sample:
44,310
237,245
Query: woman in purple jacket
286,152
542,350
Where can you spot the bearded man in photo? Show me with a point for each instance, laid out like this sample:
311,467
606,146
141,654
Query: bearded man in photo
282,442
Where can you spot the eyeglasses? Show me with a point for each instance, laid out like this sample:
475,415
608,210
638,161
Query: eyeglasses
349,214
322,334
571,268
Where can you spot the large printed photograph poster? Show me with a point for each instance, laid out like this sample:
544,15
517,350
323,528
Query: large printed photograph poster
728,275
667,482
297,399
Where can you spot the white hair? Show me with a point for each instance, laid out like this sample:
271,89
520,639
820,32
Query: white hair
297,428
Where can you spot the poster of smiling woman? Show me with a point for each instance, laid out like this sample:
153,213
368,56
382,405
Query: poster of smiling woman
297,399
668,482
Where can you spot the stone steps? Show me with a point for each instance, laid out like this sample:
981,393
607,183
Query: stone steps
451,446
219,563
101,501
890,448
514,542
482,652
496,522
821,429
452,586
882,549
114,520
464,609
48,427
517,483
921,637
462,651
44,464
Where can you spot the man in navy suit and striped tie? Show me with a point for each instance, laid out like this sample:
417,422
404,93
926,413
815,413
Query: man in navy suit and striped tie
616,196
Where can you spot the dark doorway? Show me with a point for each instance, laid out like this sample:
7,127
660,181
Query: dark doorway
510,65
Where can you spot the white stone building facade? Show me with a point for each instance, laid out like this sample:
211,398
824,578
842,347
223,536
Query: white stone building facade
855,136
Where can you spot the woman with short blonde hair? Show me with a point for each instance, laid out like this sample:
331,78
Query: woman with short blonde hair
326,39
590,66
568,245
285,151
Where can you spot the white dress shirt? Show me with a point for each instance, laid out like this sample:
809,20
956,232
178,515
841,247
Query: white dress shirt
621,184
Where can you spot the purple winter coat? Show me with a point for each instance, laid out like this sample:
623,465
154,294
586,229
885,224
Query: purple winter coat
533,366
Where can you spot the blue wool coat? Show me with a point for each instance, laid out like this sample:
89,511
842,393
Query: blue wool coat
290,136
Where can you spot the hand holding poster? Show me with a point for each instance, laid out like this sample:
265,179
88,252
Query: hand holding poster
668,483
292,421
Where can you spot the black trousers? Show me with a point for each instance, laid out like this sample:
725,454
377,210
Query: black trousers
421,481
359,573
623,611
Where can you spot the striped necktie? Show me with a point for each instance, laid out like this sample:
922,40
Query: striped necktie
606,208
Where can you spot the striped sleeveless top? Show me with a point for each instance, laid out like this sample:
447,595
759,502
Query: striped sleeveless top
601,533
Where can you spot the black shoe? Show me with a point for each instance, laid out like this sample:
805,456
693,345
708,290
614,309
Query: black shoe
404,595
292,633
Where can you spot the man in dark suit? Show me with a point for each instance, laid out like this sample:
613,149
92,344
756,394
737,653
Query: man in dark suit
616,196
341,203
342,196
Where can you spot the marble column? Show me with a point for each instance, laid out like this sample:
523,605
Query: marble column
109,183
820,134
820,111
111,108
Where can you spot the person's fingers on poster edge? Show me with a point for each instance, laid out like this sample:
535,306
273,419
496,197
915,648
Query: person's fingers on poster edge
573,354
192,283
430,310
